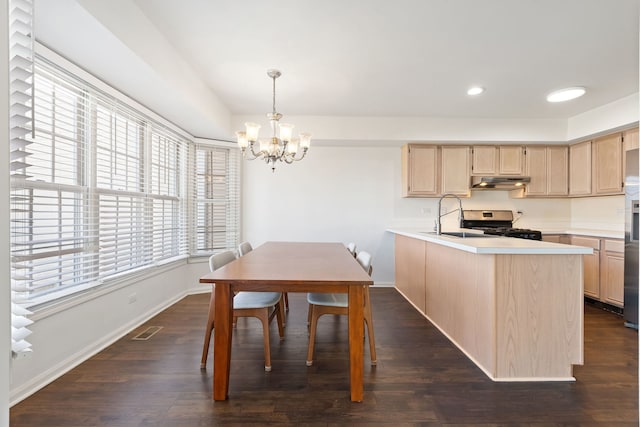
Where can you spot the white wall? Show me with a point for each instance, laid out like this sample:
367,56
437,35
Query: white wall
346,194
617,114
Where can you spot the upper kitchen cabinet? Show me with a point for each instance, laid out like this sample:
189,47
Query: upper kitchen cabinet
419,170
431,170
497,160
607,164
596,167
548,167
630,138
455,170
580,169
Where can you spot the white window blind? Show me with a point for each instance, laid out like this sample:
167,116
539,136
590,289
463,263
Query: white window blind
216,203
21,113
105,191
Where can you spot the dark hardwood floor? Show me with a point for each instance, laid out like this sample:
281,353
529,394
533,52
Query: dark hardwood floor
421,378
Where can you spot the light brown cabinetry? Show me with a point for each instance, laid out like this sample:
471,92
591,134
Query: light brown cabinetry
580,169
612,272
548,168
595,167
419,170
432,170
497,160
591,265
604,269
607,164
557,238
455,170
630,138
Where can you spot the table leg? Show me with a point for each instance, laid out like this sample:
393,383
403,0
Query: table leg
356,341
222,341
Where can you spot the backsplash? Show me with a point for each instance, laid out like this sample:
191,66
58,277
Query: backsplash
598,213
538,213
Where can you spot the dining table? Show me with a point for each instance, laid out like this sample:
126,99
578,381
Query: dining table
289,267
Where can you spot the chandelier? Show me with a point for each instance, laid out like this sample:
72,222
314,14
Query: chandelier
281,146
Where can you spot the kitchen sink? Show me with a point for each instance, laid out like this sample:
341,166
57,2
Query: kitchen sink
463,234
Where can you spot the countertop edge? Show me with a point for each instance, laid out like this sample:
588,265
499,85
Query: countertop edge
496,245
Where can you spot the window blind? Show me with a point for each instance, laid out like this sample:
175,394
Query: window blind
20,123
216,202
105,191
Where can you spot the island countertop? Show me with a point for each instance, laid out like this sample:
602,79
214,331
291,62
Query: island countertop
493,244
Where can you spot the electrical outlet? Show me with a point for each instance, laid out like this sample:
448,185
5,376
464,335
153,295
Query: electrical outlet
133,298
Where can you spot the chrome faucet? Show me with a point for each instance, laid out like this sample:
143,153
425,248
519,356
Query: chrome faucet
440,214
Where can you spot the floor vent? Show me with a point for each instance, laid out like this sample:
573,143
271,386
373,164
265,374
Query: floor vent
147,333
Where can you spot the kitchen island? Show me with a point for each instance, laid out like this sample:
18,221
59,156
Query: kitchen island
513,306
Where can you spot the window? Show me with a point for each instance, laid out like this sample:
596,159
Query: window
106,191
217,199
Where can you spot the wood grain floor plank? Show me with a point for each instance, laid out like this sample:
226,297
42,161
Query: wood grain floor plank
421,378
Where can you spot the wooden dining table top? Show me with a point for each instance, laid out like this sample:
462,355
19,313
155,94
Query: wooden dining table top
298,266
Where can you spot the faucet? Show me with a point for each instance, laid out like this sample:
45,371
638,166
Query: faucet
440,214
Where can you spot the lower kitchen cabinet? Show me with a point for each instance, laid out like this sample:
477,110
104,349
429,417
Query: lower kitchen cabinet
604,269
612,272
557,238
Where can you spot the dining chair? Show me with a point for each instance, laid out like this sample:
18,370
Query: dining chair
262,305
351,247
243,249
338,303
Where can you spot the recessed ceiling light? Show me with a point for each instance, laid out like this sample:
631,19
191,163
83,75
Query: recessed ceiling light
566,94
476,90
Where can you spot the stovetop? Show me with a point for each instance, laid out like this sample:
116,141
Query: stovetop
496,222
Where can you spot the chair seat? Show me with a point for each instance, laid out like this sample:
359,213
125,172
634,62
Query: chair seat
330,300
245,300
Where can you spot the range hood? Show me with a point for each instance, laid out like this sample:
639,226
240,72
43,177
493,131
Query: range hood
499,182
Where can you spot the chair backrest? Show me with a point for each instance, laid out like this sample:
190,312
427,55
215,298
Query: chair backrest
364,259
219,260
351,247
244,248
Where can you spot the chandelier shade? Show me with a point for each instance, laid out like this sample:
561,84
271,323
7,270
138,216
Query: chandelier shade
281,146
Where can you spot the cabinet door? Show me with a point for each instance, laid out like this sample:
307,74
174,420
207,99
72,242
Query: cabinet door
580,169
557,171
591,264
612,274
630,139
607,152
484,160
511,160
536,168
592,274
419,170
455,170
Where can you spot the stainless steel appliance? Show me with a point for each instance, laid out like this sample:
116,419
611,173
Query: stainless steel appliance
631,183
496,222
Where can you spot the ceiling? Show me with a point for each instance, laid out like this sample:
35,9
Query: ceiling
353,68
406,57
